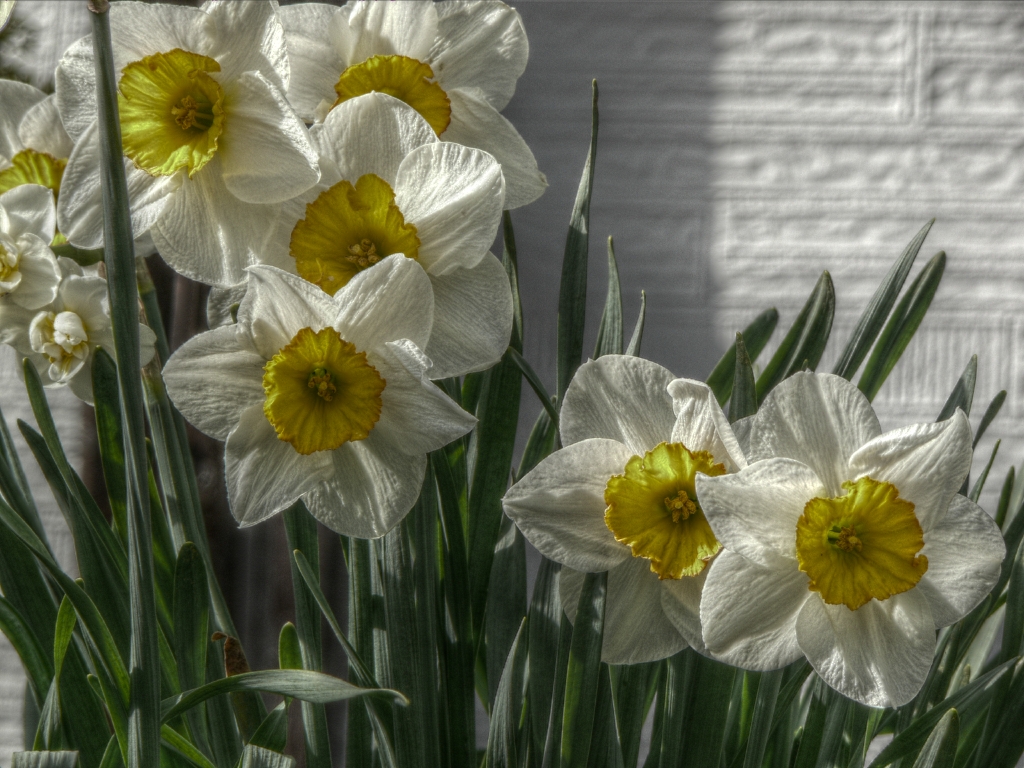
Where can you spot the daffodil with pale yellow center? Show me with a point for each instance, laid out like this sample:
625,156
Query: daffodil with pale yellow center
214,147
321,398
456,63
620,497
843,544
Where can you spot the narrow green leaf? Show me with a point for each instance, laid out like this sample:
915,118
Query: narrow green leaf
542,441
1003,745
633,348
990,414
359,749
504,617
979,484
459,647
298,683
1004,497
502,734
633,689
535,383
14,486
1013,626
706,717
803,346
273,732
761,721
111,439
755,336
832,746
255,757
939,750
605,750
673,713
584,671
289,651
542,640
818,710
968,700
902,325
962,395
111,755
45,760
178,745
191,616
609,334
34,658
301,530
572,292
119,257
553,739
743,402
877,310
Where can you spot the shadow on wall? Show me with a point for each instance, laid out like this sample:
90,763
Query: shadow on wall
652,191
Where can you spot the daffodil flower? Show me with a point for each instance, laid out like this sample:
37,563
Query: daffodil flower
323,398
211,144
391,189
620,497
61,338
29,274
455,62
34,146
843,544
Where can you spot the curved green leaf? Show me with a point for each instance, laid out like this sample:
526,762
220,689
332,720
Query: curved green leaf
755,336
584,671
939,750
609,334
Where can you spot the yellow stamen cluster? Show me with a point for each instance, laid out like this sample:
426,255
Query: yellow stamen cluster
405,79
364,253
172,112
320,380
860,546
321,392
349,228
652,508
680,506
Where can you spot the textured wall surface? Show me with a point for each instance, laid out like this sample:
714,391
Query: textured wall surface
745,147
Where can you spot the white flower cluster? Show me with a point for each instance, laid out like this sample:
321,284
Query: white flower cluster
338,174
802,531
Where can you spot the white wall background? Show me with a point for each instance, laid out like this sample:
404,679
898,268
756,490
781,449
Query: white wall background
745,147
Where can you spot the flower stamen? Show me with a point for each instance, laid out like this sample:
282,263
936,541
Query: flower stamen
363,253
681,506
320,380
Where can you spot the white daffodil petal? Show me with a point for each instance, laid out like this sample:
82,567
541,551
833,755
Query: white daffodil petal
391,300
213,377
475,123
277,305
372,486
559,505
208,234
259,26
415,414
371,134
141,29
75,88
680,600
878,655
700,424
480,45
817,419
42,130
266,475
14,323
222,304
620,398
749,612
405,28
636,629
266,154
18,99
30,210
472,319
965,551
80,205
40,275
80,383
926,462
454,196
754,512
315,61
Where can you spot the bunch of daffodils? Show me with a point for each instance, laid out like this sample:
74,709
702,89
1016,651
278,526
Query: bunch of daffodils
780,586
